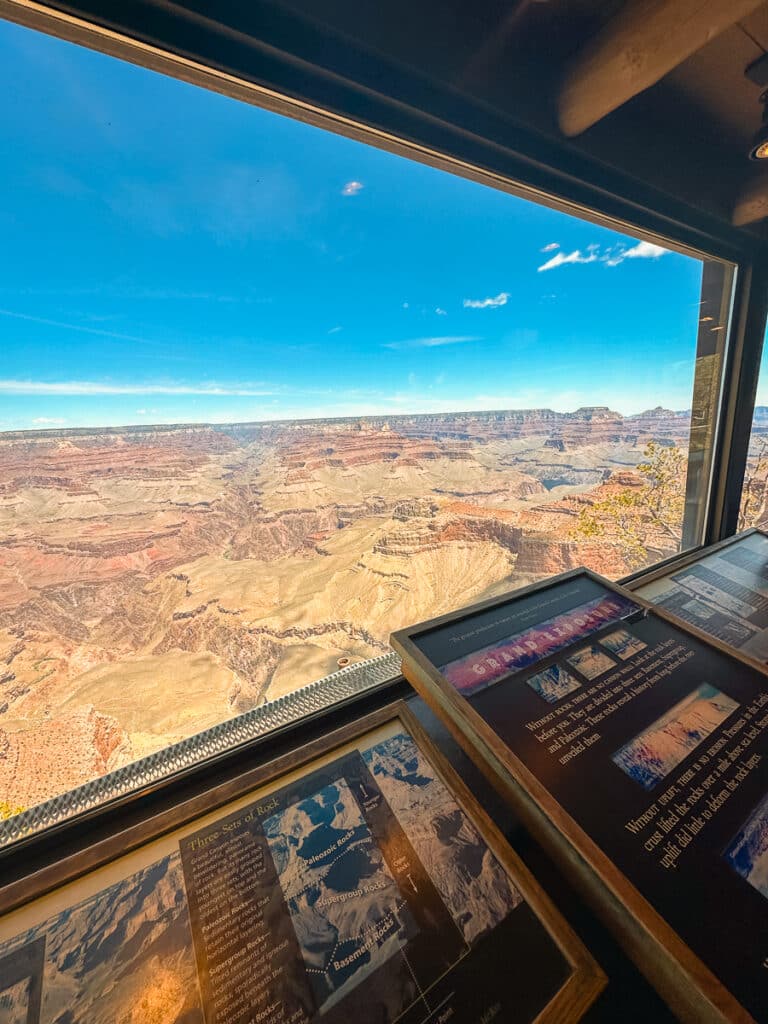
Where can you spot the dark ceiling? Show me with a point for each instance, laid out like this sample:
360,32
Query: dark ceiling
688,135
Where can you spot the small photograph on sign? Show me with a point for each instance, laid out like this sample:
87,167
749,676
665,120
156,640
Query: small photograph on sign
553,684
653,753
623,644
591,662
748,852
347,911
696,611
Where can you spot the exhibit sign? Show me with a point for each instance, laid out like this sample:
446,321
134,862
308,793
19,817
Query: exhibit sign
357,881
638,753
722,591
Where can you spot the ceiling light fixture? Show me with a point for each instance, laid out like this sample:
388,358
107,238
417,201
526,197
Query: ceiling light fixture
757,72
759,150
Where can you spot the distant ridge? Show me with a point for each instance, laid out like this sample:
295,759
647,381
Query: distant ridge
584,414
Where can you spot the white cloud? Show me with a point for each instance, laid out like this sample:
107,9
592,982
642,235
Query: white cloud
89,387
406,305
490,303
613,256
550,247
645,251
335,330
451,339
352,188
49,420
440,312
561,258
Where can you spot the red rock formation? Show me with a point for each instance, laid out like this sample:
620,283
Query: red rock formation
78,745
115,544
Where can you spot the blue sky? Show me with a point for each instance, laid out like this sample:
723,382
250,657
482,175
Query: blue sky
169,254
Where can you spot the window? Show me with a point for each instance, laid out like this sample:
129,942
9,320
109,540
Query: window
754,494
269,394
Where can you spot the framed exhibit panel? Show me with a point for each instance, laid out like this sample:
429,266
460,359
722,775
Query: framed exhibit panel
721,590
638,754
356,879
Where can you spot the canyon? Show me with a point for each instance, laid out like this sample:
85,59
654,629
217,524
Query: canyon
155,581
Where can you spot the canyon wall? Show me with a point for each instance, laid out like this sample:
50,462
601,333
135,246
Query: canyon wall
156,580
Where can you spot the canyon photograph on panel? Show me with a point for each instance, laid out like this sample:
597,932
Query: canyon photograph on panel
155,581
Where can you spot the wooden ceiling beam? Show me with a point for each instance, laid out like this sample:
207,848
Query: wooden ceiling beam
641,44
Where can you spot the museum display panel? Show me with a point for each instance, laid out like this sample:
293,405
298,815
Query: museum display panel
358,880
722,590
638,754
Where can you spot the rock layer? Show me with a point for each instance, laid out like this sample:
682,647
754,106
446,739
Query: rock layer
205,569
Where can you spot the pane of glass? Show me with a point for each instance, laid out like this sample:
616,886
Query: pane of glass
754,493
269,394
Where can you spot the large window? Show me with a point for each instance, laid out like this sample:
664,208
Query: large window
754,494
269,394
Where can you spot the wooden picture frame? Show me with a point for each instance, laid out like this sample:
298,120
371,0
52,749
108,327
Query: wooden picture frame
687,984
31,905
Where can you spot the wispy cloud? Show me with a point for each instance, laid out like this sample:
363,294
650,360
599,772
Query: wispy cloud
550,247
440,312
448,339
490,303
71,327
613,256
135,291
91,387
352,188
561,258
49,421
335,330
